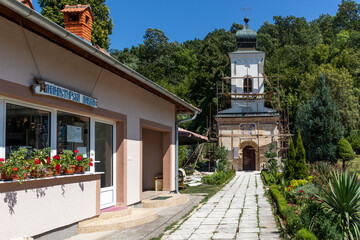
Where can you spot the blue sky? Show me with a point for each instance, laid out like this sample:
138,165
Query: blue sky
189,19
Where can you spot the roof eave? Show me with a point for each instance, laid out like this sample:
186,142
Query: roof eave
57,30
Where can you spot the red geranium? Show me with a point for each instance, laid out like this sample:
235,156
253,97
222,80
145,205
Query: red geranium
91,164
48,160
2,159
79,158
76,151
91,159
15,169
301,191
57,167
37,161
57,157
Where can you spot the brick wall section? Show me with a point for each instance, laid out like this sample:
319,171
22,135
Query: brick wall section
80,27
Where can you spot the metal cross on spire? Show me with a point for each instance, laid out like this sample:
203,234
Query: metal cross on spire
246,9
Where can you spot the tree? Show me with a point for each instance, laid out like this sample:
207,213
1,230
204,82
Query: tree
320,122
102,26
354,140
344,151
300,171
290,162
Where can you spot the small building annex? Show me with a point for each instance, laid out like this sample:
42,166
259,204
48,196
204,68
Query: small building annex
59,91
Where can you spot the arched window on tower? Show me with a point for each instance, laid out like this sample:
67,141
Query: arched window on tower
247,85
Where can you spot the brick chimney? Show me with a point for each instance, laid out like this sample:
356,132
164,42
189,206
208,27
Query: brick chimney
27,3
78,19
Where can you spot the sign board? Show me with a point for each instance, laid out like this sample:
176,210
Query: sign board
50,89
74,134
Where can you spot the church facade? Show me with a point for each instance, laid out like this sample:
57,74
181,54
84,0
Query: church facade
247,128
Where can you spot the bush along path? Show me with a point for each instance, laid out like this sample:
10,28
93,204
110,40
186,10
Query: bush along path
240,210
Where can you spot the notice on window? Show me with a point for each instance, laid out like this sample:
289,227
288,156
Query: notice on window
83,151
74,134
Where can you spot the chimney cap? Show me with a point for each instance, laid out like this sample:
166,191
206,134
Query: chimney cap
77,9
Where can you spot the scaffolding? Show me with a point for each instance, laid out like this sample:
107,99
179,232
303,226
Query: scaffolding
271,96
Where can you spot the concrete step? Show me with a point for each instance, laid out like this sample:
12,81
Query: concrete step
170,201
115,212
137,217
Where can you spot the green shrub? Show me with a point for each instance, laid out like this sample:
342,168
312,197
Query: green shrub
290,162
304,234
344,151
293,222
218,178
342,198
266,178
300,169
323,225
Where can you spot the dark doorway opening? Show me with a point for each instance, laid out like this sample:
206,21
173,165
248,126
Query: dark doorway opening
248,158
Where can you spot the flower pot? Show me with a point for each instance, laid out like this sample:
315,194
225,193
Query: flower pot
6,177
36,174
79,170
15,176
49,172
57,172
70,170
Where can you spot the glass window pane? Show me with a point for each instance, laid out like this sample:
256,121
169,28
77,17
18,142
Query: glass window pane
104,152
26,127
73,133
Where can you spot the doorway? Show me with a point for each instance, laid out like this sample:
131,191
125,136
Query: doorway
104,156
248,158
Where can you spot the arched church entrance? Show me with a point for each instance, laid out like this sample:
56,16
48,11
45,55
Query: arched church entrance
248,158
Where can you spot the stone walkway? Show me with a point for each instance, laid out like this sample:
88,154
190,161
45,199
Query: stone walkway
239,211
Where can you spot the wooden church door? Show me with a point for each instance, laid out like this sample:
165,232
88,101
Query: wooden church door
248,158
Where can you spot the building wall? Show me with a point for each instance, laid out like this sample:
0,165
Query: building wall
62,67
233,139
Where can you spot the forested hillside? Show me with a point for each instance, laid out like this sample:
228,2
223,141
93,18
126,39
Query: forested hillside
296,50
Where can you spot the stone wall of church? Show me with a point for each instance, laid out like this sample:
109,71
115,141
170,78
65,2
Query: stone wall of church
235,140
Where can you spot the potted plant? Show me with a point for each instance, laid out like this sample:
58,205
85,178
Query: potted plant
56,164
14,166
68,162
82,163
40,163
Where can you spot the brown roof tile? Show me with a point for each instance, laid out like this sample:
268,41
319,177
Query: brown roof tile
77,8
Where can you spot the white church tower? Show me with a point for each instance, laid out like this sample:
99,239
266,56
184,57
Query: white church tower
248,127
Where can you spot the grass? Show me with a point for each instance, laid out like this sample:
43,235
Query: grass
210,190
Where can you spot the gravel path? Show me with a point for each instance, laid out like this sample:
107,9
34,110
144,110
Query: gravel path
239,211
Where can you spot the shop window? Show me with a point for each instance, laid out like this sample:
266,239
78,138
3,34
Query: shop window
26,127
73,133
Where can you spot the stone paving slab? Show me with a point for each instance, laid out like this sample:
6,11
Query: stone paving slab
238,211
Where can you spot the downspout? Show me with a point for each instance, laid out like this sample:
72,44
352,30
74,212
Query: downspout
177,149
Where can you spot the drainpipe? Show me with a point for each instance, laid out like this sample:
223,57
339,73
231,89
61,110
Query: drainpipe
177,149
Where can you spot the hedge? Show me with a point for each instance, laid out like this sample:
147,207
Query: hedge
293,222
266,177
304,234
218,178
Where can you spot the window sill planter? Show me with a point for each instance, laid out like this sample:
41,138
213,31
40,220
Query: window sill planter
70,170
79,170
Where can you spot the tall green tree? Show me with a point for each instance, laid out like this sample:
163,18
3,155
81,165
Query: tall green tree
300,171
290,162
102,26
320,122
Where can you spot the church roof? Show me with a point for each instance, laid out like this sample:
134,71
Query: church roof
251,110
246,38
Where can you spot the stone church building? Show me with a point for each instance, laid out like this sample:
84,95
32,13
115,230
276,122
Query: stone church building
248,127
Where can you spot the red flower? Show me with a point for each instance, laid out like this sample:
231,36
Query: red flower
57,157
289,189
76,151
2,159
301,191
37,161
79,158
57,167
91,164
91,159
48,160
320,200
15,169
0,164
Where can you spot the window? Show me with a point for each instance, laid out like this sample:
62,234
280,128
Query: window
73,133
247,85
26,127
